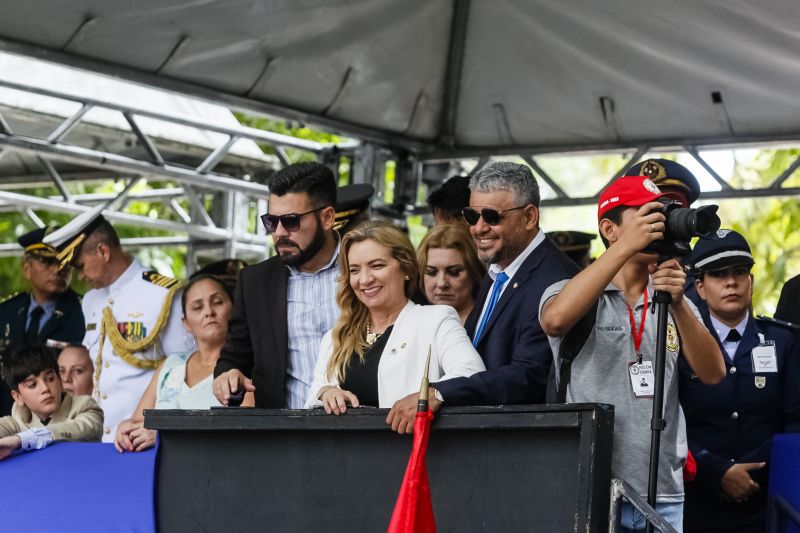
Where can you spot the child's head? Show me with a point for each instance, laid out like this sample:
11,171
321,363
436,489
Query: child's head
620,201
32,375
76,370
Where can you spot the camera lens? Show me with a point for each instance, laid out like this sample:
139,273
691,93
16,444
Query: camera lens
685,223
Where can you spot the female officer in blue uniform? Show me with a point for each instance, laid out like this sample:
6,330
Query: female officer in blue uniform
730,425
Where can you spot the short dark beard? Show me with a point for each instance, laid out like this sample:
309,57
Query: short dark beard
305,254
508,253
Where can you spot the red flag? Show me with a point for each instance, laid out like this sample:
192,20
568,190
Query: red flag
413,512
689,467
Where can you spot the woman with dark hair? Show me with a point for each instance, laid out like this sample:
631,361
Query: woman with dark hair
376,352
184,379
451,272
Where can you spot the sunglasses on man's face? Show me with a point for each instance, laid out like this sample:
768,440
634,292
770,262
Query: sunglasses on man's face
493,217
290,221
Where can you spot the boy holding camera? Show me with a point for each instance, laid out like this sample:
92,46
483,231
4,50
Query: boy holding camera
616,363
42,412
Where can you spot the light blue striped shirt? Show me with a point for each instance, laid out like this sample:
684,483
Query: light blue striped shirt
311,312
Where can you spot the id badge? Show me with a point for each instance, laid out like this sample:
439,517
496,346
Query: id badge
642,379
764,358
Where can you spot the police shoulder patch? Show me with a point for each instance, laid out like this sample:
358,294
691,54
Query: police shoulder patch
157,279
672,338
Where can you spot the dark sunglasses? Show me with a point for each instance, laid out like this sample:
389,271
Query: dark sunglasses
493,217
291,221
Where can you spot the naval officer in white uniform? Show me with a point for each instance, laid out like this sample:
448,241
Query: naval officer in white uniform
133,315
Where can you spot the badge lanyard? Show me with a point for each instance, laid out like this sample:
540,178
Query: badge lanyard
638,335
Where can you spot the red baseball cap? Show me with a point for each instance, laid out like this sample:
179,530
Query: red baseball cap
630,191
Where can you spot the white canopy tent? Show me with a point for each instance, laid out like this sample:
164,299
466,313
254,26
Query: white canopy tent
422,81
454,76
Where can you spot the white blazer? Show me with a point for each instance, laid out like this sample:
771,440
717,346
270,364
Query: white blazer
403,359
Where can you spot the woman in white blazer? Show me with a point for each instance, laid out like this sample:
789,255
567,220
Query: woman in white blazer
376,352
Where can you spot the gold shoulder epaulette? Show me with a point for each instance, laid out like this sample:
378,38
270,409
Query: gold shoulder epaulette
160,280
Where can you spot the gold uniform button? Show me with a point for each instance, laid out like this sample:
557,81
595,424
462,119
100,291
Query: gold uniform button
105,396
106,430
106,365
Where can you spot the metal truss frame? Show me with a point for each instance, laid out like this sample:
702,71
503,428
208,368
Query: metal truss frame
222,228
562,198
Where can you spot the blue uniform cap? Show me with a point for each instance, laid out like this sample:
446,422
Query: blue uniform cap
32,243
728,249
671,177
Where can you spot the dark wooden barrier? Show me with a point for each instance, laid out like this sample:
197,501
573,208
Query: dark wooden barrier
492,469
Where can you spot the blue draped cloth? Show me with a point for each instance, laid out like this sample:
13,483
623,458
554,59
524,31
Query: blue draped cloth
784,473
77,486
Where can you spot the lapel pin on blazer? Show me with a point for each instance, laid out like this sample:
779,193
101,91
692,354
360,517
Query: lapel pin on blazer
515,285
58,313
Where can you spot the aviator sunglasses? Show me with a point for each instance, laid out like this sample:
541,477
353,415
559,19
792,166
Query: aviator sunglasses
291,221
493,217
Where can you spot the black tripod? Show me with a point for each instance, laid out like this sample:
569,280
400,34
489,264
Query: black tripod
662,299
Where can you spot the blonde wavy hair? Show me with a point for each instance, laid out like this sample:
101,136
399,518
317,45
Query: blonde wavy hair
453,237
350,332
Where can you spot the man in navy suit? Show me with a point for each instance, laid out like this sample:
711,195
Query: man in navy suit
504,324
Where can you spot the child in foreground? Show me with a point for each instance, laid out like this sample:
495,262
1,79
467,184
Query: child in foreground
43,413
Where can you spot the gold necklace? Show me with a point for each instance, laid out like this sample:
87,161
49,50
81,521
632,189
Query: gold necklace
203,365
372,337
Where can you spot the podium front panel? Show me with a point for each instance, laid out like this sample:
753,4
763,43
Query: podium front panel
516,468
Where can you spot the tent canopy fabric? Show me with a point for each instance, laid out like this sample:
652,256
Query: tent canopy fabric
454,77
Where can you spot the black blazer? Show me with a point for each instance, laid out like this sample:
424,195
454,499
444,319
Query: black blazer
513,346
258,332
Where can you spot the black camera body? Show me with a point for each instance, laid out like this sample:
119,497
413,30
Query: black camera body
681,226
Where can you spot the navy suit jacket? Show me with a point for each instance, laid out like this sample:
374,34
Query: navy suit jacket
513,346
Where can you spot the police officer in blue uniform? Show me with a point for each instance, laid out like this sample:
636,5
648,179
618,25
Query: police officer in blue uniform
50,311
730,425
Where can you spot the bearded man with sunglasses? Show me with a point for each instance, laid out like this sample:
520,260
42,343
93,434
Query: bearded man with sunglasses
50,311
730,425
504,323
284,305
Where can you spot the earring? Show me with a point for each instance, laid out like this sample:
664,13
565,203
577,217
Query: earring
186,341
408,278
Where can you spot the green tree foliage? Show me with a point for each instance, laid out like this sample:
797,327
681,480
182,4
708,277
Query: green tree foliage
167,260
770,225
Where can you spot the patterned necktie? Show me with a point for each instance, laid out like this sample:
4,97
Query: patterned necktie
497,288
33,326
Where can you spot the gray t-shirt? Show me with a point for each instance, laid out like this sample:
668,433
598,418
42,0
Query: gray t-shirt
600,374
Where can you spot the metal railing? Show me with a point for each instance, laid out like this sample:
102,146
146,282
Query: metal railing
619,490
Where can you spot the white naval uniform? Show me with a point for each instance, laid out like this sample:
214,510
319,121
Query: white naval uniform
135,300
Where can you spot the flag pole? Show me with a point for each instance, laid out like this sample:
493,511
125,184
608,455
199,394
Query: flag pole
413,510
422,402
